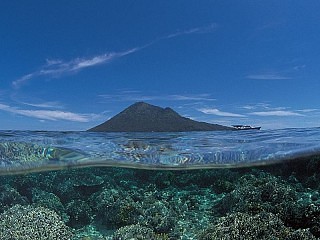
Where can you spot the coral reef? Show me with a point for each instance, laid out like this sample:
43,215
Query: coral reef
50,201
34,223
274,202
134,232
114,207
263,192
160,216
262,226
9,196
80,213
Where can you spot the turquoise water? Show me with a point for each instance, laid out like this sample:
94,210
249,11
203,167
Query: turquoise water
230,185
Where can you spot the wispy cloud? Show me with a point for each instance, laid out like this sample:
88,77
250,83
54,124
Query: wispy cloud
191,97
268,77
48,114
279,113
43,104
217,112
299,67
137,96
198,30
57,68
265,110
127,97
308,110
264,106
35,101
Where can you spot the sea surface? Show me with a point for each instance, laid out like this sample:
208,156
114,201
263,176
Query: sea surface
249,184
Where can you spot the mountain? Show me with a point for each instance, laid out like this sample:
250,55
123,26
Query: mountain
144,117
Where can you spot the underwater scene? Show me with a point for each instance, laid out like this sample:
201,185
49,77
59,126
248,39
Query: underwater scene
195,185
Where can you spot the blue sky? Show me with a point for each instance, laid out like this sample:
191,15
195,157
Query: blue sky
70,65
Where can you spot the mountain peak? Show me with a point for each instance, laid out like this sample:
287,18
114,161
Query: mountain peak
140,104
144,117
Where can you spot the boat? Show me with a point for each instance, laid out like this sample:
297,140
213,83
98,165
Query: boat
245,127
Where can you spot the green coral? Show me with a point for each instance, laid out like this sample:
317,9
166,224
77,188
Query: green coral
9,196
49,200
114,208
262,192
262,226
80,213
32,223
134,232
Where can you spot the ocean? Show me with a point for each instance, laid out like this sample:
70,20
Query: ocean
250,184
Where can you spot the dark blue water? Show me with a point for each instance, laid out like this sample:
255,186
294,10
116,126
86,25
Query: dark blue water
231,185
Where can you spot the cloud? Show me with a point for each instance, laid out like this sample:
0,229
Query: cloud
299,67
217,112
308,110
57,68
278,113
248,107
265,109
264,106
198,30
193,97
35,102
129,96
49,114
256,106
267,77
43,104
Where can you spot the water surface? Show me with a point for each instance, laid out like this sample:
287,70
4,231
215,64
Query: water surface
27,151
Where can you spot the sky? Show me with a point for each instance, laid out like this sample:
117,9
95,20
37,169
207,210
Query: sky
70,65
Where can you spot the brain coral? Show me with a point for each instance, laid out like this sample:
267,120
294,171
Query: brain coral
36,223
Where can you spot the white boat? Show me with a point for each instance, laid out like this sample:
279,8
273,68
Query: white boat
245,127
